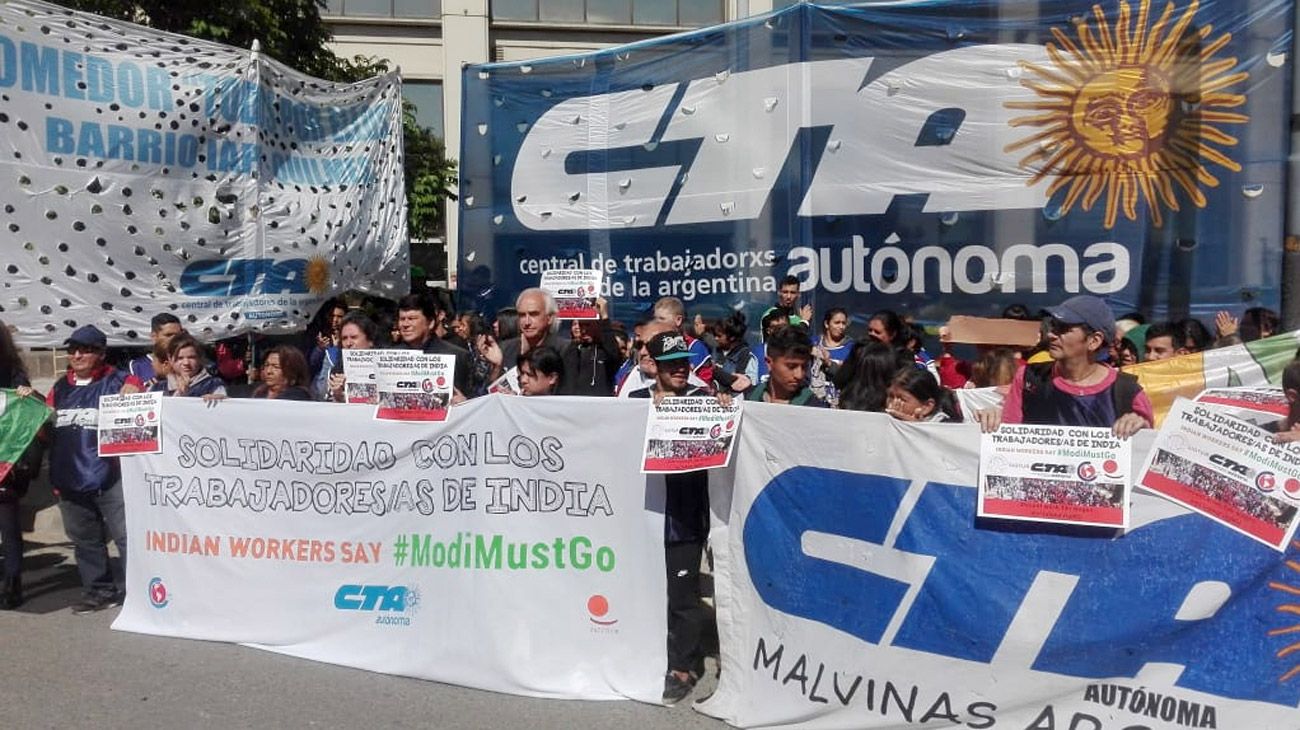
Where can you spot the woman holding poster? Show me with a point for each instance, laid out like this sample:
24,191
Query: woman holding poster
1075,389
358,332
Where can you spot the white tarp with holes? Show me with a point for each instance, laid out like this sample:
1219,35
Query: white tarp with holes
147,172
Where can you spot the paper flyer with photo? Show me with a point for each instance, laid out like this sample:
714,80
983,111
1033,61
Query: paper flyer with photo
359,371
1060,474
685,434
507,384
575,291
1228,470
130,424
413,385
1263,399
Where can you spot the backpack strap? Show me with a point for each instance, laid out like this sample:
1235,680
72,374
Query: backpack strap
1124,392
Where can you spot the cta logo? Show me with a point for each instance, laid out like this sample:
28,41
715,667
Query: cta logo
691,431
158,595
394,604
598,611
1232,466
240,277
1045,468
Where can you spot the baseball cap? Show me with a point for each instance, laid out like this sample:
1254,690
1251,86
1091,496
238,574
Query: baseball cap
88,336
668,346
1087,310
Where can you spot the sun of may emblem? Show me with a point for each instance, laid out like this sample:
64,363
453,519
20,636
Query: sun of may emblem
1130,107
318,275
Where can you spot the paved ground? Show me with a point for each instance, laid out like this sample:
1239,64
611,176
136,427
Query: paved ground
60,670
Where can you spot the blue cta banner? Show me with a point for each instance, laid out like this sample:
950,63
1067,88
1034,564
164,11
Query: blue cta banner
856,588
931,157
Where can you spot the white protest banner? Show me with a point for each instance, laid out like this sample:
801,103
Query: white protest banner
689,433
575,291
855,588
130,424
150,172
1266,400
413,385
1057,474
359,370
512,549
1229,470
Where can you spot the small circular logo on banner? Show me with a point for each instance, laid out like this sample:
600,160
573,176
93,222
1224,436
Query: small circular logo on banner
1292,488
716,431
1087,472
731,424
1111,467
427,386
139,420
152,416
442,381
598,607
1266,481
158,593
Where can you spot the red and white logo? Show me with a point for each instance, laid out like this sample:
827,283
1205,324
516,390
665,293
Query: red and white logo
427,385
1266,481
598,608
1087,472
158,595
1110,468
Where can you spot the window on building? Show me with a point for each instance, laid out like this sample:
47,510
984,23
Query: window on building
427,98
383,8
779,4
654,12
673,13
610,12
564,11
514,9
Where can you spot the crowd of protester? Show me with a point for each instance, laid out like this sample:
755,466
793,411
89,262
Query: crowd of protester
1069,378
1054,492
1234,495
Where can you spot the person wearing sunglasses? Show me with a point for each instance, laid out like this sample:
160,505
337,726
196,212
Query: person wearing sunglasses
1076,388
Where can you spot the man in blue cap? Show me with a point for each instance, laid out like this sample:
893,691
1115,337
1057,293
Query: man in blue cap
1075,388
89,487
